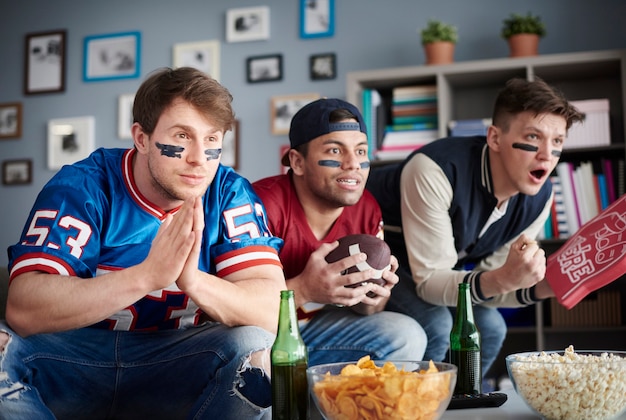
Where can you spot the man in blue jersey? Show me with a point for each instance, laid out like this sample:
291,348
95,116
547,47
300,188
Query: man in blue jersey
469,209
145,283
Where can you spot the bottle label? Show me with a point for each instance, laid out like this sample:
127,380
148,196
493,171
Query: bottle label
469,375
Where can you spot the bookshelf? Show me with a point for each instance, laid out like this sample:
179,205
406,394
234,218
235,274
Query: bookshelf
467,90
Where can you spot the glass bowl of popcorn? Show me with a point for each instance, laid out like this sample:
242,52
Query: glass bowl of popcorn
572,385
367,389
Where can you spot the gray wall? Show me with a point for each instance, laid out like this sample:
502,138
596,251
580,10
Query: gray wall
368,35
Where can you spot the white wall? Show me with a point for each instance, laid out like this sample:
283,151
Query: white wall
368,35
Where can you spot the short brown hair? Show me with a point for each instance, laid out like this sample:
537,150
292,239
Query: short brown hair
520,95
165,85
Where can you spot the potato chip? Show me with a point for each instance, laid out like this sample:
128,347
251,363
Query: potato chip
367,391
351,370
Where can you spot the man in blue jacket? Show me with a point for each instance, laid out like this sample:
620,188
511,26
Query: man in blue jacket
469,209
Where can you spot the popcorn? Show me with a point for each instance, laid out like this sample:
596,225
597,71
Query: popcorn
569,385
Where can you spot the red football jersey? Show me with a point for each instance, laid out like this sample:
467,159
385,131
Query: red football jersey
287,221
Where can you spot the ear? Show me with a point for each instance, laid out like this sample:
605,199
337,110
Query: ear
296,162
494,137
140,138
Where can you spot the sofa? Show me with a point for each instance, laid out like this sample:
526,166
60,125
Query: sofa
4,288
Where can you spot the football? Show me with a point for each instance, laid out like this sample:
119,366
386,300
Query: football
377,251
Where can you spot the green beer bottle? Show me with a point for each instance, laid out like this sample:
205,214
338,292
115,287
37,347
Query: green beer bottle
290,392
465,345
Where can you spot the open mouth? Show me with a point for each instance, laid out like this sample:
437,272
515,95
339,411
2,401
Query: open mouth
538,174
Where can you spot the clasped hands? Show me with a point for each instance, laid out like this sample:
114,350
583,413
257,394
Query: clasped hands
175,250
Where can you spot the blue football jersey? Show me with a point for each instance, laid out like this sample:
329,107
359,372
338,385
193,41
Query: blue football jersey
90,219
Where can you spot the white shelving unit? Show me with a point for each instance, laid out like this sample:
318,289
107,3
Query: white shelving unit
467,89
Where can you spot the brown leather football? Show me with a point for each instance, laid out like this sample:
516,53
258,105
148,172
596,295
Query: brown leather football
377,251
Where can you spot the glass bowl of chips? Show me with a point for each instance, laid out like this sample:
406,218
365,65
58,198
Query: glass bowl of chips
368,389
572,385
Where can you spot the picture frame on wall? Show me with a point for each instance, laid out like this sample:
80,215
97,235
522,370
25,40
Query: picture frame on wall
317,18
70,140
248,24
10,120
230,147
125,115
323,66
112,56
17,172
264,68
202,55
44,67
283,109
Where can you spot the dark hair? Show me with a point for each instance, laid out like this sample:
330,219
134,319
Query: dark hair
520,95
165,85
337,115
341,114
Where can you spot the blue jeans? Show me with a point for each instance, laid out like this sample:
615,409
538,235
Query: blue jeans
437,322
340,335
199,373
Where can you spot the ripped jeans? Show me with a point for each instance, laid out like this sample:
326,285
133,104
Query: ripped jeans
202,372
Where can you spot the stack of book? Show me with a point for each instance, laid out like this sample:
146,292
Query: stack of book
374,112
414,104
464,128
581,192
594,130
414,121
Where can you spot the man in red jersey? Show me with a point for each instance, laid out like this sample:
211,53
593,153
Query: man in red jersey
321,199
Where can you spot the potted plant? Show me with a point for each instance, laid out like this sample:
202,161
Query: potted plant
523,33
439,39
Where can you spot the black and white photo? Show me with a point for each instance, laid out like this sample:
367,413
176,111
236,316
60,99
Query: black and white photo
10,120
17,172
70,140
284,108
112,56
125,115
248,24
45,62
317,18
323,66
264,68
202,55
230,147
